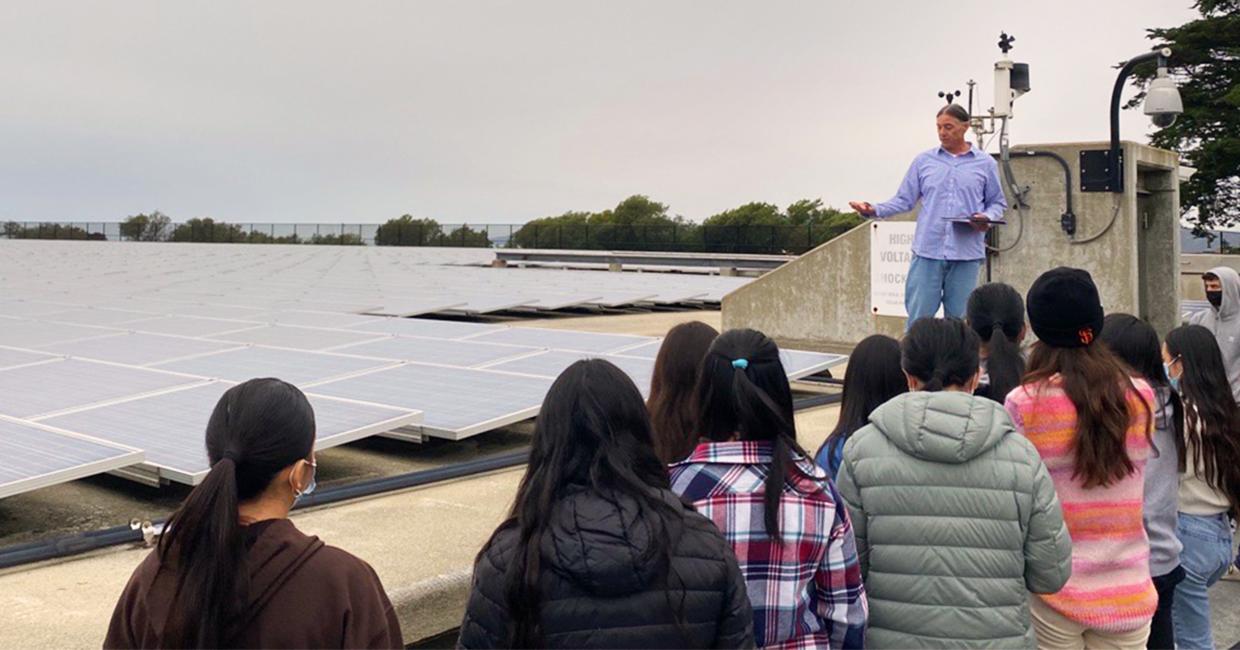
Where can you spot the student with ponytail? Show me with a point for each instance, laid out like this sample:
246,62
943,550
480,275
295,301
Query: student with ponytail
231,571
955,515
778,509
997,314
1209,485
1091,421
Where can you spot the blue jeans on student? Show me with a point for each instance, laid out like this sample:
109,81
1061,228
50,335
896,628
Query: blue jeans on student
1206,554
933,282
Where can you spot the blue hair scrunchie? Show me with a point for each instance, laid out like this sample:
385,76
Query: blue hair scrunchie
740,363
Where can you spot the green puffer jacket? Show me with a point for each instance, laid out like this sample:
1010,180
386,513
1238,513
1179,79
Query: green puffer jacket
956,521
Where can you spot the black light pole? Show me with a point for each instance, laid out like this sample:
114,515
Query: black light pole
1103,170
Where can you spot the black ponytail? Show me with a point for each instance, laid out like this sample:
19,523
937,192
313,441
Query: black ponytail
940,353
996,313
743,391
257,429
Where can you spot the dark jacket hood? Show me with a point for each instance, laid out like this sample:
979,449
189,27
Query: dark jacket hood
609,544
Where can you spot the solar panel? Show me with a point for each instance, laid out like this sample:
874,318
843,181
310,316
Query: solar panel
401,307
33,334
30,391
456,402
645,350
33,457
438,351
96,316
561,339
30,308
170,426
189,325
302,338
799,363
553,362
297,367
137,348
10,357
440,329
312,318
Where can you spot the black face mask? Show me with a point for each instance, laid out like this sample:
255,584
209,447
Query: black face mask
1215,298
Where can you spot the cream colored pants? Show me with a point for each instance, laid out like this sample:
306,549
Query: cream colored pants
1057,632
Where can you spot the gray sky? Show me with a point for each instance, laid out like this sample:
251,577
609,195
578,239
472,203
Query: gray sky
501,112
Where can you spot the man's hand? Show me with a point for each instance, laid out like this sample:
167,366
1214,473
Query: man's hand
863,208
980,222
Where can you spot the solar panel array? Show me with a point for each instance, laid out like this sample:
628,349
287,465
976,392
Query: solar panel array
112,366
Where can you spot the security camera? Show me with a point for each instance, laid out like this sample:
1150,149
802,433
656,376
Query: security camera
1162,100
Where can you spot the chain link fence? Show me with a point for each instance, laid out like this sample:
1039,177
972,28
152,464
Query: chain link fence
669,238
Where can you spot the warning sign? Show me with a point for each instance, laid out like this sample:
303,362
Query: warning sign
891,251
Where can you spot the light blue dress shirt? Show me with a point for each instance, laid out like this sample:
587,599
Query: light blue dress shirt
948,186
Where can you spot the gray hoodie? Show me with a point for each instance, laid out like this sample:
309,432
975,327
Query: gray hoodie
956,521
1224,321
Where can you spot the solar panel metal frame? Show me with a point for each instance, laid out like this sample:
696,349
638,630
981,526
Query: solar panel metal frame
187,475
58,401
553,339
121,456
139,349
829,361
460,353
333,388
425,327
200,364
289,336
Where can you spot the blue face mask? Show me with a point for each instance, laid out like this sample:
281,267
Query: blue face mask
1175,381
314,483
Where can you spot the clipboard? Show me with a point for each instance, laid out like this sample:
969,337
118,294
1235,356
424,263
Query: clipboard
969,219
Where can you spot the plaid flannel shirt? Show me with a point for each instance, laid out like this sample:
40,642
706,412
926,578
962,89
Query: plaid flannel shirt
806,591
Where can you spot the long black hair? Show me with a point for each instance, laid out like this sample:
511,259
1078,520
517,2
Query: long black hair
743,392
1136,343
671,388
996,313
873,377
593,431
257,429
940,352
1213,418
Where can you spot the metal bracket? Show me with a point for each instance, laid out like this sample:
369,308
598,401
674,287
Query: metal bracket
150,532
1097,174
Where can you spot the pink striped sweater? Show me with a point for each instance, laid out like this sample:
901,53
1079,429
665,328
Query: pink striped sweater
1110,587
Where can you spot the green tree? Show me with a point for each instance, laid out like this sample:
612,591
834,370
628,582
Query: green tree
334,239
636,223
467,237
1206,65
566,231
817,224
209,230
142,227
407,231
751,228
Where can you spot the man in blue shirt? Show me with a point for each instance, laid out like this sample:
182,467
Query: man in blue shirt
953,181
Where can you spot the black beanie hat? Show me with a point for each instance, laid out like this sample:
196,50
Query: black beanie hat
1064,308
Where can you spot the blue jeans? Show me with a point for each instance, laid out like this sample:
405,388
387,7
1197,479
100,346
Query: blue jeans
933,282
1206,554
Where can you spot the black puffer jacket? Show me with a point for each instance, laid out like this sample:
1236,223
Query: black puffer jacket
598,592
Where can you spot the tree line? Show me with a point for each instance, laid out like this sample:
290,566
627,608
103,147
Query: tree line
636,223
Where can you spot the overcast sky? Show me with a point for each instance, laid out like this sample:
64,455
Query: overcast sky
501,112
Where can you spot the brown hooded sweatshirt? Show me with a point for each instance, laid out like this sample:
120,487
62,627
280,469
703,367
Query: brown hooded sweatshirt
303,594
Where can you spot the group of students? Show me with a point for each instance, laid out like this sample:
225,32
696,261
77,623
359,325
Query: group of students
970,496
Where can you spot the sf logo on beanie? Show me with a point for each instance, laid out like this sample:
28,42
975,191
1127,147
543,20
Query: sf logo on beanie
1086,334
